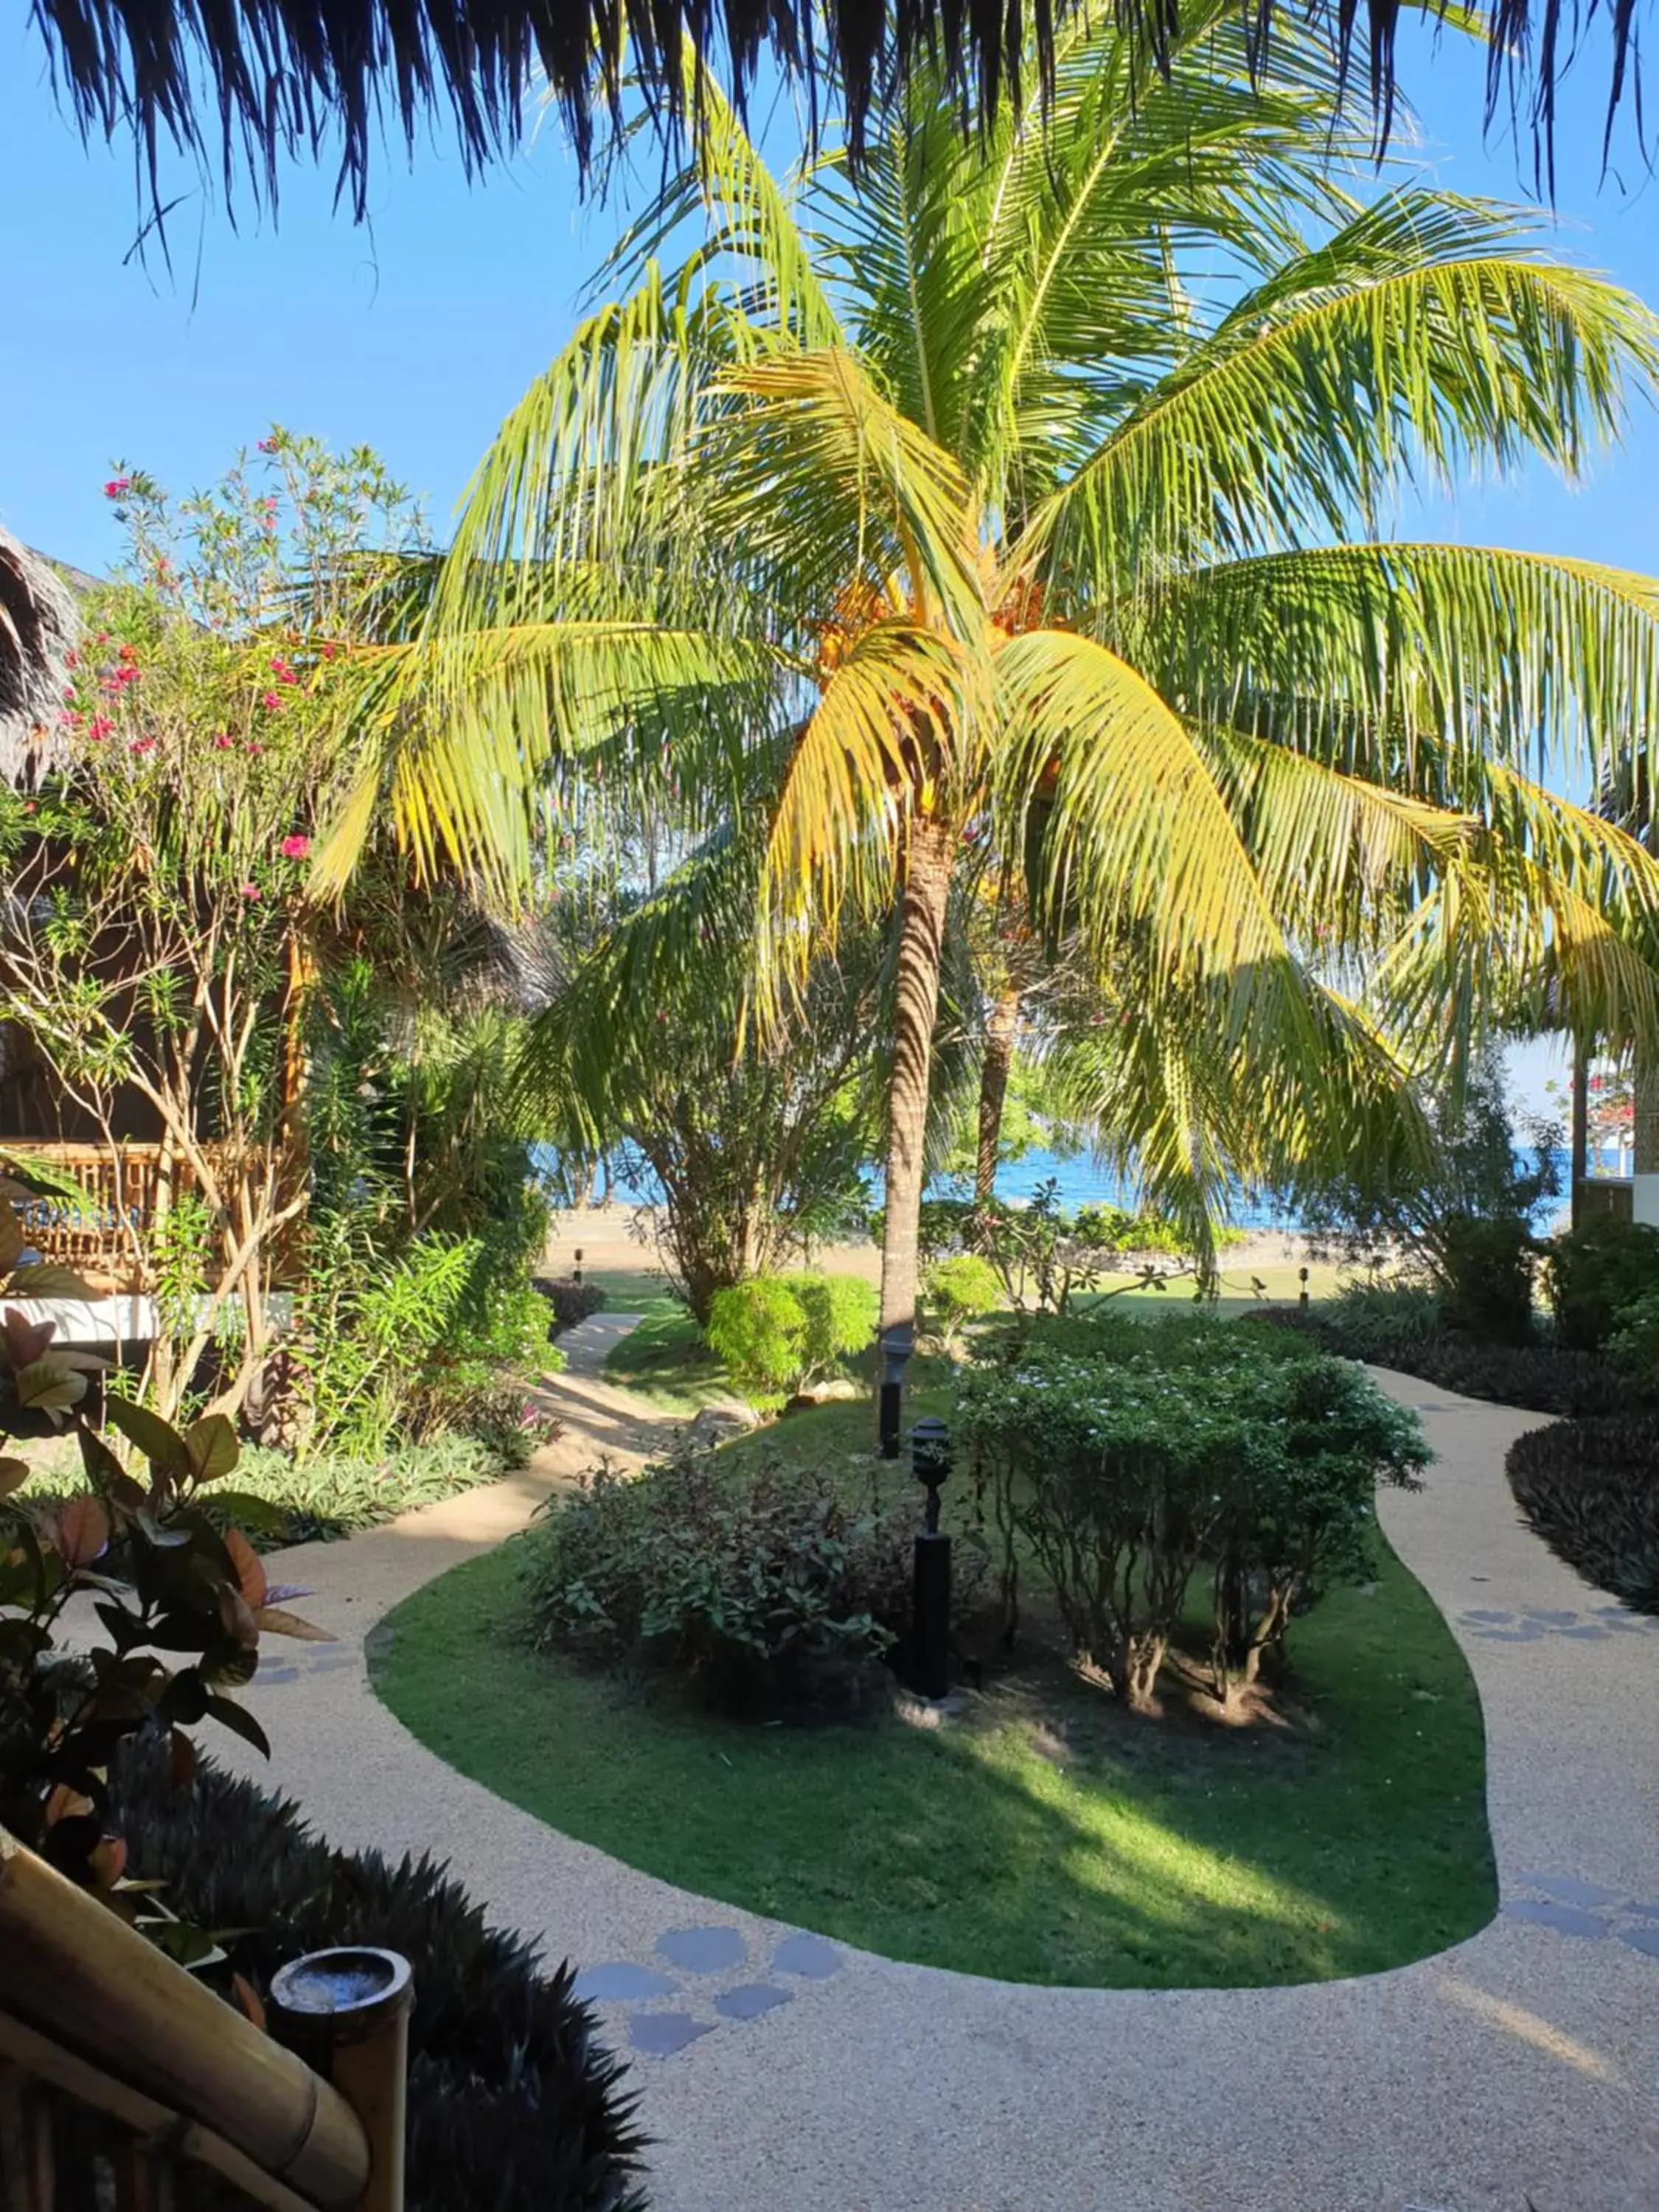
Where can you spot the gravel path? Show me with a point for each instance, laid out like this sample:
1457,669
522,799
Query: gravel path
782,2073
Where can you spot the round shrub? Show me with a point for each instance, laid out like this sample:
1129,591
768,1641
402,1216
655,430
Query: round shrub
511,2102
1590,1489
959,1289
777,1334
758,1330
841,1314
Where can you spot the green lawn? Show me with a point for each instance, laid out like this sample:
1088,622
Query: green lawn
1043,1837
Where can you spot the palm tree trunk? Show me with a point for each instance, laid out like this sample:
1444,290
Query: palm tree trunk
921,941
993,1087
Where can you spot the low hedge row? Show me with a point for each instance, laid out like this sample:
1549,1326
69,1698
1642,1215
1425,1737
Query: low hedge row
1540,1378
513,2105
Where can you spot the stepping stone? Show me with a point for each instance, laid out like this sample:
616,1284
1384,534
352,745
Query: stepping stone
1641,1911
1564,1918
280,1673
1641,1939
1569,1888
1588,1631
660,2034
1481,1613
622,1983
749,2002
1528,1634
331,1659
809,1956
1550,1618
703,1950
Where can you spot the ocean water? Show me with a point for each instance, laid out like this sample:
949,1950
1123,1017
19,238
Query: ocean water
1082,1182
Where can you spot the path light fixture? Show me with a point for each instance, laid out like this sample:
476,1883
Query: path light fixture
930,1615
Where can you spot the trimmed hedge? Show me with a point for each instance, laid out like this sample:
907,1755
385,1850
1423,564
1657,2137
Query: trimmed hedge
1540,1378
1590,1489
513,2105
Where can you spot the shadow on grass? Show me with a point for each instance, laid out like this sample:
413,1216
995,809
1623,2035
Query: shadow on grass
1004,1845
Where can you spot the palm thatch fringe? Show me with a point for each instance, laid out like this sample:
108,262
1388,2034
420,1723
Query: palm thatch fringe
262,80
37,624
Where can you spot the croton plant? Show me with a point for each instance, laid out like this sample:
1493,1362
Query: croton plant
133,1604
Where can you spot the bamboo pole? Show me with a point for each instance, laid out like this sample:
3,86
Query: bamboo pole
80,1975
40,2061
346,2013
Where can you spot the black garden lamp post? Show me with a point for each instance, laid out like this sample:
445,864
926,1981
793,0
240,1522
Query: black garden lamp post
930,1621
895,1346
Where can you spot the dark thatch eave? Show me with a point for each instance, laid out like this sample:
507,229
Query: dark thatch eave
37,626
245,84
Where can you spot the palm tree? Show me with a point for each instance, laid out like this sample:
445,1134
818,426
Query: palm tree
1019,505
272,79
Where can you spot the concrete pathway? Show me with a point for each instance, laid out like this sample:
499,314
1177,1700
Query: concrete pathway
783,2074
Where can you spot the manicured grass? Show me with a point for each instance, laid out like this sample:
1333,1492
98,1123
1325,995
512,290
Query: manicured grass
1043,1837
665,1360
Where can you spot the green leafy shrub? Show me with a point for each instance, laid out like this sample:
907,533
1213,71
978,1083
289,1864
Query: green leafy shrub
841,1313
1635,1341
512,2104
1384,1322
958,1289
1590,1489
762,1590
1596,1271
1123,1454
572,1302
776,1334
758,1330
1487,1269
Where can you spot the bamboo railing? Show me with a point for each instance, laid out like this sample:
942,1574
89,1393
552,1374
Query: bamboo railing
124,1190
126,2083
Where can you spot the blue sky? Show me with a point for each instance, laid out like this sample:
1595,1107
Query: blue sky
417,333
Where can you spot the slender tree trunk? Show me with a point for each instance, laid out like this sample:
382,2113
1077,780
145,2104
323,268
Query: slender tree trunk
999,1030
921,941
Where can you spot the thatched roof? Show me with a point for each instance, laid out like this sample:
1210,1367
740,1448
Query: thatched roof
241,86
37,625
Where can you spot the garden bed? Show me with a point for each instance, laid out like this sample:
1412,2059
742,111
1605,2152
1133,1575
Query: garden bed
1043,1836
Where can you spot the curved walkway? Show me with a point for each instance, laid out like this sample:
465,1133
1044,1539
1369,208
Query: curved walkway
781,2074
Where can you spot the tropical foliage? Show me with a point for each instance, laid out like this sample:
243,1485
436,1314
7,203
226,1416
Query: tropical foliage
1014,517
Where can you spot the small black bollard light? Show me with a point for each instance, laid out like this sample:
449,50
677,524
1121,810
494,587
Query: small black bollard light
576,1272
930,1618
895,1345
1303,1301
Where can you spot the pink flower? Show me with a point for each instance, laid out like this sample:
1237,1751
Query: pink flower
99,727
69,697
251,748
283,670
267,444
295,847
329,649
142,745
251,891
223,742
270,699
118,487
71,658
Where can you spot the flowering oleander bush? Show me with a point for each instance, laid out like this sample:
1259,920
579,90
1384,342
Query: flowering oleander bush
1120,1457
